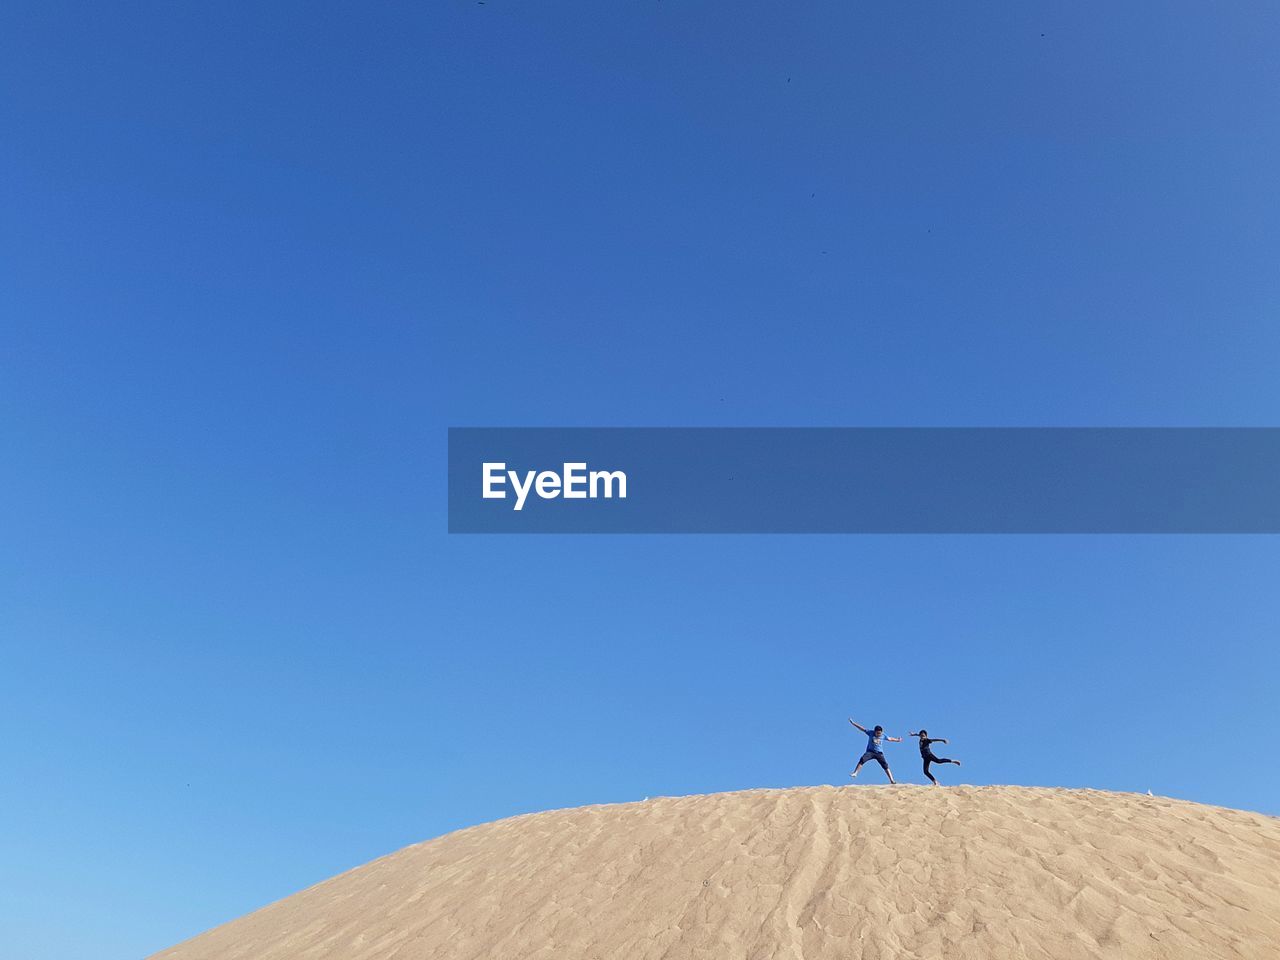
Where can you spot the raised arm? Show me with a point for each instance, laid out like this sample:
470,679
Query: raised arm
912,733
858,725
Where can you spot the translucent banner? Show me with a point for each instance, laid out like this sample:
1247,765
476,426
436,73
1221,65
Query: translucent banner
864,480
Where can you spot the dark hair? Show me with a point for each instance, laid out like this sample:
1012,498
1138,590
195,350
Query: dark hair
923,731
879,729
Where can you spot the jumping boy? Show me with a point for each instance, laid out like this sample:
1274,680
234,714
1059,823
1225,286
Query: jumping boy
874,751
926,753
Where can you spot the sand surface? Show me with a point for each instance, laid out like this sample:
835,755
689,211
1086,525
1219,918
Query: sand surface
851,872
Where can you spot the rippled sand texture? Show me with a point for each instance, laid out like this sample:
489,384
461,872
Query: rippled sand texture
841,873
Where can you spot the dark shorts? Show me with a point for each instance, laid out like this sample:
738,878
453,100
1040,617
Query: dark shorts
877,757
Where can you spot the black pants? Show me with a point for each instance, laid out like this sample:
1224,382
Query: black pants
930,758
878,757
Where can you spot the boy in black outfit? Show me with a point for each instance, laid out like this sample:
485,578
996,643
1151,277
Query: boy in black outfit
926,754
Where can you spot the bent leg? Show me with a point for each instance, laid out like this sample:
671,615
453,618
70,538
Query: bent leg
861,760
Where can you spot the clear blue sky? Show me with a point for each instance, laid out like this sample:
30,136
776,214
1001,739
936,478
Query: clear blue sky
257,257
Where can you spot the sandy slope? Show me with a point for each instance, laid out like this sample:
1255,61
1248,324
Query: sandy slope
850,872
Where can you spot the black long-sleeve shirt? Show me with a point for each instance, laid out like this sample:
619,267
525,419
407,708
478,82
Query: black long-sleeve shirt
924,745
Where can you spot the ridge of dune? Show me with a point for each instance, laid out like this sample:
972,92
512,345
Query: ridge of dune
812,873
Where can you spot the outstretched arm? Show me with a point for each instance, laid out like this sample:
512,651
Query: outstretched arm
858,725
912,733
894,739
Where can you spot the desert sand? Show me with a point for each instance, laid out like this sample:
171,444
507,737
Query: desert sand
905,872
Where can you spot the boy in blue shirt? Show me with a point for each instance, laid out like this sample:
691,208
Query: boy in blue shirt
875,738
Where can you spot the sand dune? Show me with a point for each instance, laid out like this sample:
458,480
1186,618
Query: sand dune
851,872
